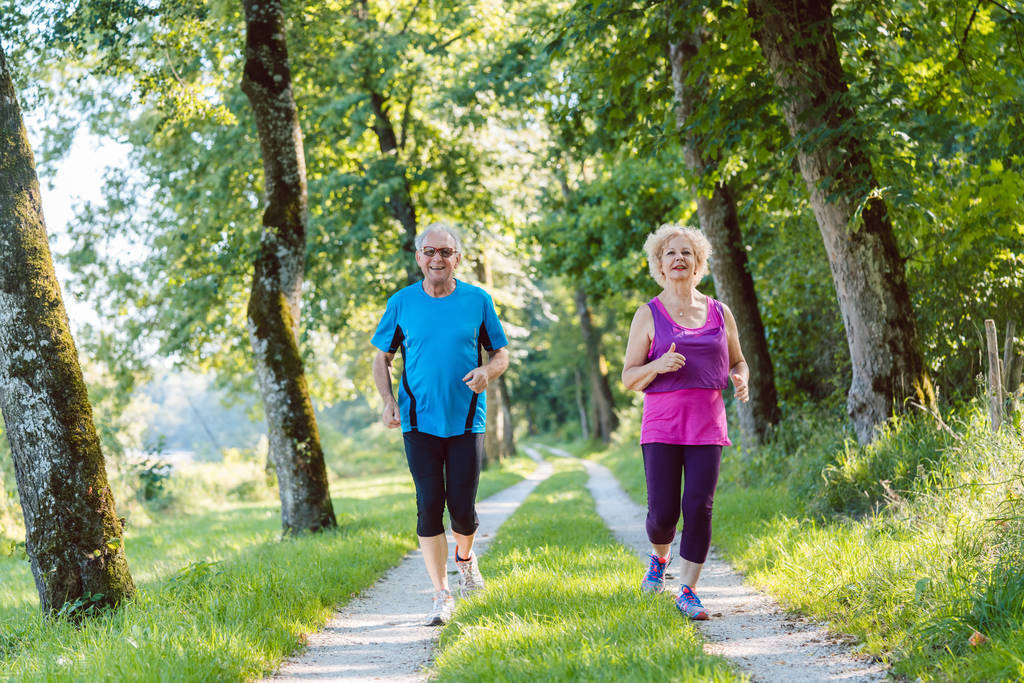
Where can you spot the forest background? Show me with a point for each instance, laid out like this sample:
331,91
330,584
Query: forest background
556,135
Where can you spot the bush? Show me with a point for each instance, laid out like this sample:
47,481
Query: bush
910,452
152,475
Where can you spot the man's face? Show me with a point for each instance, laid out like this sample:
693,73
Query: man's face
436,268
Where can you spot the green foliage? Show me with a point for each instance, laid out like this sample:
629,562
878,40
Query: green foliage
153,474
593,233
949,158
909,454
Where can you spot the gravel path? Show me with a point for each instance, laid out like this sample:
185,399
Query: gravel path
746,626
379,635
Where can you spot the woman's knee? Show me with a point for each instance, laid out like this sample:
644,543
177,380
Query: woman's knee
661,528
698,511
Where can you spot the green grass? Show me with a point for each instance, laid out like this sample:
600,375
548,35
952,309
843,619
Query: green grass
220,597
913,567
562,604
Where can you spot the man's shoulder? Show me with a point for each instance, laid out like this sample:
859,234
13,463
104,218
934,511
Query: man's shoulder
405,293
473,291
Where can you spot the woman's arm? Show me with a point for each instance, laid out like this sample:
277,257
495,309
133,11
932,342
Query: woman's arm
637,372
738,370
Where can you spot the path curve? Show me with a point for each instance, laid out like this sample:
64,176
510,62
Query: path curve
747,627
379,635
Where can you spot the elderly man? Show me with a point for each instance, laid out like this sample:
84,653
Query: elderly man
440,324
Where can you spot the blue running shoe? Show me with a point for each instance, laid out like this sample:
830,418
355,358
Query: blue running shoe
654,580
689,604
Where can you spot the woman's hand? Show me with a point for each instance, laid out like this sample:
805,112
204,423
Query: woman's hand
670,361
739,383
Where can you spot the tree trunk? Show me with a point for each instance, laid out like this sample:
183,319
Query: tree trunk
581,406
797,39
720,223
499,442
274,303
73,536
606,421
508,435
401,202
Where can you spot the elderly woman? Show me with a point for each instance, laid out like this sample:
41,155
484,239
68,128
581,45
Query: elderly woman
441,324
682,349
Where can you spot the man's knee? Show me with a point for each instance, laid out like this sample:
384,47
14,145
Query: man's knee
464,519
430,515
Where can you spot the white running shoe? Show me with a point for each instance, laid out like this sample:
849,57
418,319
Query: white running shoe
441,613
470,579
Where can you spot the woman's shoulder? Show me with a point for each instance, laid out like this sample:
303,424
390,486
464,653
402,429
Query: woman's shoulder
643,315
644,309
715,304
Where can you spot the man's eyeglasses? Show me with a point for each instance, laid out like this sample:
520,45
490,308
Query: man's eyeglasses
445,252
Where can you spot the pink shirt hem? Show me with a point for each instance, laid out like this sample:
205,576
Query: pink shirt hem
690,417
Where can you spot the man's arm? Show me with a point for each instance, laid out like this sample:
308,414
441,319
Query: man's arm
478,378
382,378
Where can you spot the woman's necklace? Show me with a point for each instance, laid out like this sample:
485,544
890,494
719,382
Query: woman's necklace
678,306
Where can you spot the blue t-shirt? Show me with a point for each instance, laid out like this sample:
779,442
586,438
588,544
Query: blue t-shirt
440,338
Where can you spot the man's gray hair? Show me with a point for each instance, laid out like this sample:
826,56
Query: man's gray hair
439,227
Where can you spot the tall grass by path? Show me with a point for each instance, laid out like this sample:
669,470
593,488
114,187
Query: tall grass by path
220,597
562,603
914,544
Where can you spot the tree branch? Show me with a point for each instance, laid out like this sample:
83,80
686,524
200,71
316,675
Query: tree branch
408,19
967,29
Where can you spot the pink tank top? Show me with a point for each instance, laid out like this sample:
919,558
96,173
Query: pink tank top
686,407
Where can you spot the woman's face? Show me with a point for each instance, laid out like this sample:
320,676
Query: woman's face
678,259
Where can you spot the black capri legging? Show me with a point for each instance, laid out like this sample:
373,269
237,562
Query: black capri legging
445,470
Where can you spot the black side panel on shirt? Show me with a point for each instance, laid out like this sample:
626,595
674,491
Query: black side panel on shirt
481,340
408,391
396,339
485,339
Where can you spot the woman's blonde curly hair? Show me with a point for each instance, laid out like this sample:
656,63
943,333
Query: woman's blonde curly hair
655,245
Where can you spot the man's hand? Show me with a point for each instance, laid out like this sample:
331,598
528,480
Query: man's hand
390,416
476,379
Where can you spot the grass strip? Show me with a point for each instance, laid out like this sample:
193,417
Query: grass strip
238,599
562,603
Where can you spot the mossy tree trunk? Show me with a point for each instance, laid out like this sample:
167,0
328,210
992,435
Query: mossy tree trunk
73,536
729,267
605,419
798,42
274,303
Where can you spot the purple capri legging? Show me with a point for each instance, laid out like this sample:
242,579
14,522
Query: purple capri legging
666,466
